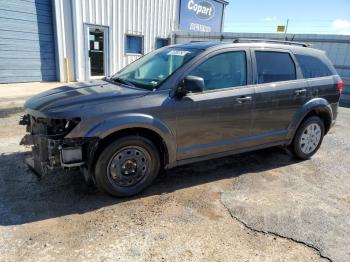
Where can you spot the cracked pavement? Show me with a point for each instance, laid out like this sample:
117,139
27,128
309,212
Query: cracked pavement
260,206
308,202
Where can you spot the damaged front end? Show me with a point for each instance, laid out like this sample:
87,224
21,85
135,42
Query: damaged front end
50,149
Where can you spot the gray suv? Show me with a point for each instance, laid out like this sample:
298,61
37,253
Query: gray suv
182,104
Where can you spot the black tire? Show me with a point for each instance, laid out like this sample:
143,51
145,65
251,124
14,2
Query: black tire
110,175
297,147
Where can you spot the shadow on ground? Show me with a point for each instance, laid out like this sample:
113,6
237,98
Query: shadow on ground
24,198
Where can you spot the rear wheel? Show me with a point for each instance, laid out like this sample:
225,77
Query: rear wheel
308,138
127,166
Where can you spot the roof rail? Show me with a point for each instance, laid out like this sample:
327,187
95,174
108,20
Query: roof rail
262,40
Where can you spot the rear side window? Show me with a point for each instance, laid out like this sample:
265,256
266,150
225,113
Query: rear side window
274,66
223,70
312,66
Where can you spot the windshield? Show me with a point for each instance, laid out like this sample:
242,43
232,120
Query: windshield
151,70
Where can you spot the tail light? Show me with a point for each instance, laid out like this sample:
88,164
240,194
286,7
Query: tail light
340,86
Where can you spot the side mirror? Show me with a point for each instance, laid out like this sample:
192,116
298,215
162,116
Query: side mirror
191,84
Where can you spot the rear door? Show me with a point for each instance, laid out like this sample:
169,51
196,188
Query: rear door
280,91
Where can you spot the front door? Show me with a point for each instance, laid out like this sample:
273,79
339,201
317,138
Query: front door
219,118
97,51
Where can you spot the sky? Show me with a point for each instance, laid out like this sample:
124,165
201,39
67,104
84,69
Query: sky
305,16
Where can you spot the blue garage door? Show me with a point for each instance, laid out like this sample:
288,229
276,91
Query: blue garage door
27,51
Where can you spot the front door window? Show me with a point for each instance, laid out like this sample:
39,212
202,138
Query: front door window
223,71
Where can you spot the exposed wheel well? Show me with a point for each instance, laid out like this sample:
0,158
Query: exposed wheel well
144,132
324,115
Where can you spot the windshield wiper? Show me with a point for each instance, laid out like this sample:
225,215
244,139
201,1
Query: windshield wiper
122,81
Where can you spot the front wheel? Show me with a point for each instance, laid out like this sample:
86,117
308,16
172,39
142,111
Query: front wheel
308,138
127,166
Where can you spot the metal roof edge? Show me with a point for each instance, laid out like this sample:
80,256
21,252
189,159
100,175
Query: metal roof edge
222,2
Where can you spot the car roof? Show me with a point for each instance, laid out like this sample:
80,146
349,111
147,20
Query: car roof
294,46
198,45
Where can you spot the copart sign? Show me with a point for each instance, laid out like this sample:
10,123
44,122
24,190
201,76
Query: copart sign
201,15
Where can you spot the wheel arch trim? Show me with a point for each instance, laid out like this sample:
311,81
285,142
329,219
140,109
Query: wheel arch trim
134,121
314,105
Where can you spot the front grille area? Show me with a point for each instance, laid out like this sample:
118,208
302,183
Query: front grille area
46,137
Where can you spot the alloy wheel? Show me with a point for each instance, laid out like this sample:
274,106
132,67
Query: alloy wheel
310,138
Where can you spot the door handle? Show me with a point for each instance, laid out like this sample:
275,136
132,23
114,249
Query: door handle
300,91
243,99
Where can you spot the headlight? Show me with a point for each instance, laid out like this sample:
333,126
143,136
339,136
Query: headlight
52,128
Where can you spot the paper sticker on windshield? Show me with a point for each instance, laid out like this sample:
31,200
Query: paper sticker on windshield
178,52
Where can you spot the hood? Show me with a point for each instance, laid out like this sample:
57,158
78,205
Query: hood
80,94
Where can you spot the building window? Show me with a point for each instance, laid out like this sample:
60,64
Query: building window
134,44
160,42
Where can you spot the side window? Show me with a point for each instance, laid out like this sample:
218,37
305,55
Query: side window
312,66
223,70
274,66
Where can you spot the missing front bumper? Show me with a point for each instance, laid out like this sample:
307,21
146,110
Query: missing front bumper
49,155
